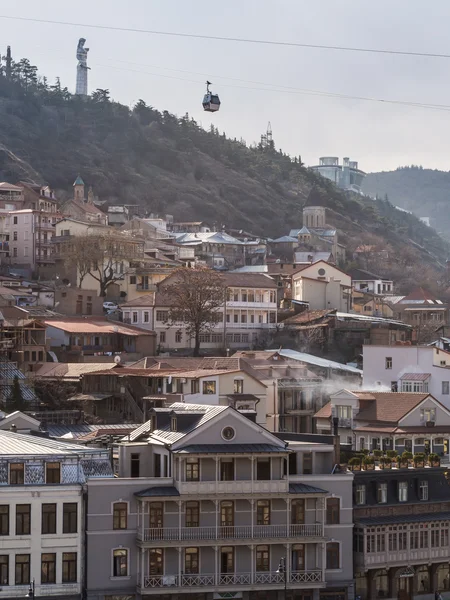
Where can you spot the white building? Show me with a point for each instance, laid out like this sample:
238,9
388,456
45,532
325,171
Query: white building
408,369
365,281
322,286
42,511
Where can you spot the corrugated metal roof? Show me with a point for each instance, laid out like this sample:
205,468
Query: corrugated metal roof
415,376
158,491
316,360
226,448
12,443
303,488
80,430
444,516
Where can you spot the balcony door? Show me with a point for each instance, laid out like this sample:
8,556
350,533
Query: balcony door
156,515
298,512
227,513
156,563
226,560
298,558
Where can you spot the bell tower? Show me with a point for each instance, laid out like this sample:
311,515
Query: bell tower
314,216
78,189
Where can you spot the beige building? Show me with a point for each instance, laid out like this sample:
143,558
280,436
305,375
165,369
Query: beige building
322,286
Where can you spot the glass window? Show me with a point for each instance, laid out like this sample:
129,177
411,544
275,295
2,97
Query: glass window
22,569
344,412
120,563
238,387
388,362
4,520
192,514
192,469
4,569
262,558
48,568
17,473
227,469
263,512
445,388
53,472
423,490
70,517
298,557
360,494
227,513
333,555
209,387
333,510
298,512
382,493
69,567
156,561
48,519
23,514
156,514
191,561
120,513
403,491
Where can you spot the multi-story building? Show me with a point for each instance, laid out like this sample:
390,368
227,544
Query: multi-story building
322,286
346,176
364,281
207,504
42,514
401,537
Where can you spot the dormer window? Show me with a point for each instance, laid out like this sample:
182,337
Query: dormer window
173,423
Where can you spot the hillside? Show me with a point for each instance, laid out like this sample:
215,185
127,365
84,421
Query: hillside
171,165
425,192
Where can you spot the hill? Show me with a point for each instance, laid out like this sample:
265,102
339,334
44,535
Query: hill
425,192
171,165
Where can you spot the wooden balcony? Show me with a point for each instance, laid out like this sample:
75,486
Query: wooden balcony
245,532
370,560
278,486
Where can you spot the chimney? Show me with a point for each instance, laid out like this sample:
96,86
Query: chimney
13,428
336,441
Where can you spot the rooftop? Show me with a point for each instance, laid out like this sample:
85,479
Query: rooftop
96,325
317,361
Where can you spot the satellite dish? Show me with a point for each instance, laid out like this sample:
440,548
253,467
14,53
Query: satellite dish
117,360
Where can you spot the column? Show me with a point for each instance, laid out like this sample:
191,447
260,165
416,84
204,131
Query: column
288,516
216,566
252,563
288,563
253,470
434,578
217,472
142,517
179,518
142,578
179,566
392,583
413,445
216,504
252,505
324,560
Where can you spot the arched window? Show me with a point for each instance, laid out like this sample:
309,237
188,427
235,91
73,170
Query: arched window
120,562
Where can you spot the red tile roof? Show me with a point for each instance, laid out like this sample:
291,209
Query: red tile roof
96,325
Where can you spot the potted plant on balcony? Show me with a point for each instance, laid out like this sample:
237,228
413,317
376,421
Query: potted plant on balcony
405,459
385,462
419,459
434,460
368,463
355,464
393,455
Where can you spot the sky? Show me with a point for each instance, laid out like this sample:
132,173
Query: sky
169,72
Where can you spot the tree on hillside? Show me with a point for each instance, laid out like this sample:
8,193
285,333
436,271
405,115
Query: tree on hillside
100,95
195,298
16,400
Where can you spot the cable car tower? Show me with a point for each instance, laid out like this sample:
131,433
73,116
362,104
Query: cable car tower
266,138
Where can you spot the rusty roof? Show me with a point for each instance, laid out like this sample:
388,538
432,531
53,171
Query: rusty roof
146,300
96,325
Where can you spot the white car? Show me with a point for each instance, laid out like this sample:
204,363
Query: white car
109,306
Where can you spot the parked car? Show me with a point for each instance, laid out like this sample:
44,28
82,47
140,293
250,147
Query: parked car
108,306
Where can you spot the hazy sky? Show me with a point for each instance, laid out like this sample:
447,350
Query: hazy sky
169,72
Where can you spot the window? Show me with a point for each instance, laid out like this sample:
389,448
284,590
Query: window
238,387
69,567
262,559
445,388
360,494
48,568
227,513
263,469
4,520
48,524
382,493
16,473
333,555
388,362
23,514
25,251
403,491
298,512
53,472
263,512
22,569
191,561
4,569
157,457
146,316
298,557
15,236
156,561
134,318
333,511
423,490
120,563
307,463
227,469
70,517
134,465
344,412
195,386
120,514
209,387
178,337
156,515
132,279
192,469
162,337
15,220
162,315
192,514
428,415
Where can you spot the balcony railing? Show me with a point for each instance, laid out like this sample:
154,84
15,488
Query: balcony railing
230,532
56,589
402,556
232,579
146,287
277,486
345,422
251,325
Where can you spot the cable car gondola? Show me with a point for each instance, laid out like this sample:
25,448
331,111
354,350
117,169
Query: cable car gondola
211,102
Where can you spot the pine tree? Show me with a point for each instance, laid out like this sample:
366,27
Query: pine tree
15,400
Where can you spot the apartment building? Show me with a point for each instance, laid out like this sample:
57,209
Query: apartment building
401,538
400,421
42,512
408,369
207,504
322,286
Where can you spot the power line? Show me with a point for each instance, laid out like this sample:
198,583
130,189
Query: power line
232,39
283,89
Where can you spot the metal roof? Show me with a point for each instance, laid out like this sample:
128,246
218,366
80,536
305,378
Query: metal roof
426,517
226,448
316,360
18,444
415,376
80,430
303,488
158,491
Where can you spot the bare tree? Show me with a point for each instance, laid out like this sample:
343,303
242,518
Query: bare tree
195,298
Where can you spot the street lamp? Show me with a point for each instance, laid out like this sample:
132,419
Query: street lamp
31,590
282,569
